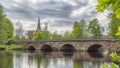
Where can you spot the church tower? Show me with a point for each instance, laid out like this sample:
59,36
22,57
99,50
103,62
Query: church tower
38,26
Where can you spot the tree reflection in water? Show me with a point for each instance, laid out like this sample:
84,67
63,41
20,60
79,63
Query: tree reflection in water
6,59
38,59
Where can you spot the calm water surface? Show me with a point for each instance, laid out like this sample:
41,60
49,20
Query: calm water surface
38,59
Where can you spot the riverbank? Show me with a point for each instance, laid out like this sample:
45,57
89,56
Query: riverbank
11,47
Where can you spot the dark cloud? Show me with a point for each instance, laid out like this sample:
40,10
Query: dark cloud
29,11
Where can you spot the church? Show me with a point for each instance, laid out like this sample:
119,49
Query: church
31,34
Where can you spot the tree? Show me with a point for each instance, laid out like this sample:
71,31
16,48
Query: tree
9,30
113,25
83,29
6,28
6,61
79,29
55,35
42,35
19,30
38,36
113,5
46,35
76,30
2,35
95,29
46,27
1,11
67,35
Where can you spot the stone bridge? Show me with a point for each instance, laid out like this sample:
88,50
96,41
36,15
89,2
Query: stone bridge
85,45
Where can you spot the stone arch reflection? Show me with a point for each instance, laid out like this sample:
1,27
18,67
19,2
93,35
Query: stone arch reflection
97,54
67,53
95,47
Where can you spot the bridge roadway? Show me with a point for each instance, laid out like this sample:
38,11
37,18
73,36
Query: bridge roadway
75,44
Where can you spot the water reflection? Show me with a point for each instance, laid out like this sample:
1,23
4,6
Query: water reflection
6,59
67,53
96,54
38,59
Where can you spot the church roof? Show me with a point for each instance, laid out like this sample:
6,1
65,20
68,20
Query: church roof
39,25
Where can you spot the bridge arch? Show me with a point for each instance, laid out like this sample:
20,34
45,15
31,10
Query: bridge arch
67,47
46,47
31,48
95,47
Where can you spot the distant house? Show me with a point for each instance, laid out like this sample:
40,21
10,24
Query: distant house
107,37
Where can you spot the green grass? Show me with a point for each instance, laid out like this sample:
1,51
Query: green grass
11,47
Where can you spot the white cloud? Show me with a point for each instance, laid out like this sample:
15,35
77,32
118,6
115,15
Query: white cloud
59,14
78,12
71,2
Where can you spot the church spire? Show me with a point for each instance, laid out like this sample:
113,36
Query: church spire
39,26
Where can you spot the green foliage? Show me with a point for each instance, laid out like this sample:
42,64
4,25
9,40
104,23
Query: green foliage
6,59
23,38
118,13
115,57
67,35
55,35
95,30
105,65
114,21
79,29
76,30
9,28
1,11
11,47
118,33
113,65
78,64
42,35
114,5
6,28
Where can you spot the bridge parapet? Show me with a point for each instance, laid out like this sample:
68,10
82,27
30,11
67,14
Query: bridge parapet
78,44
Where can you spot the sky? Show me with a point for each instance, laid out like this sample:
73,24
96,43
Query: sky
59,14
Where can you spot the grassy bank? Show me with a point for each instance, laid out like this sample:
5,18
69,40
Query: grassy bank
11,47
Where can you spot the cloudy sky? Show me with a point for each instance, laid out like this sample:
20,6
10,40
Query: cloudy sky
59,14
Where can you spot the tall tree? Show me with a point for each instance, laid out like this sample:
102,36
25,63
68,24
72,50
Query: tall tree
76,30
19,30
6,28
79,29
95,29
2,35
114,5
83,29
1,11
9,28
46,27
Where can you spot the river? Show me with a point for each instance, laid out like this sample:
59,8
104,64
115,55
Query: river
43,59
